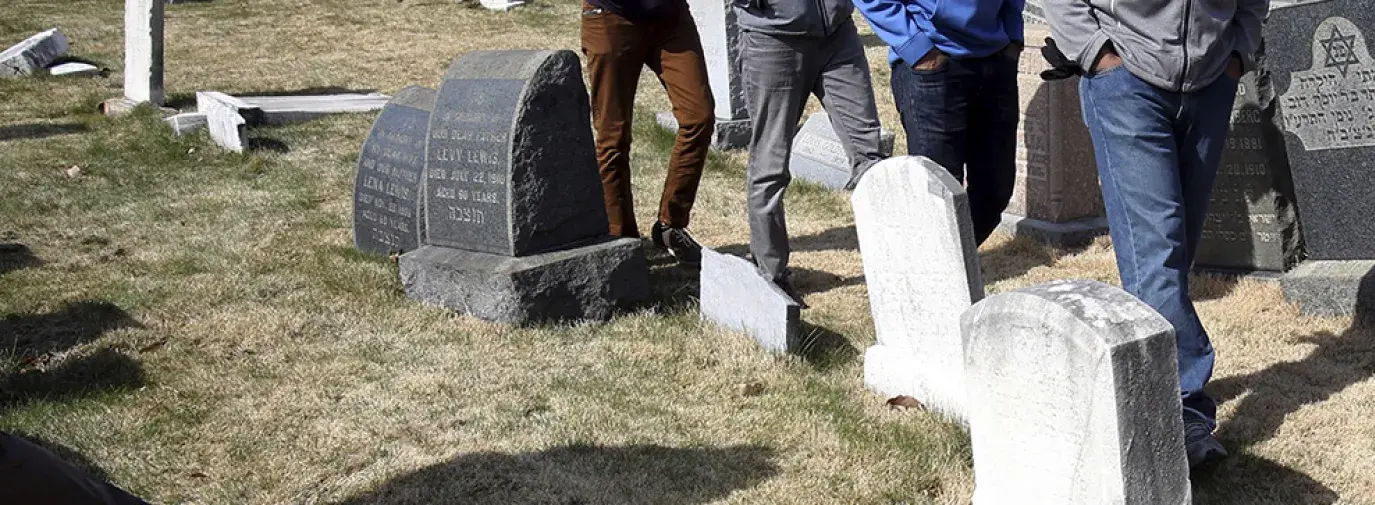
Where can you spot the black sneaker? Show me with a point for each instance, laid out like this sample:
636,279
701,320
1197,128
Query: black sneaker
1199,444
786,284
678,242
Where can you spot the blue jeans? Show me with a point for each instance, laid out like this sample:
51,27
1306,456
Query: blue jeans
964,116
1157,154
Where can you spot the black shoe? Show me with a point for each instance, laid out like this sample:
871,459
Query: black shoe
678,242
786,285
1200,446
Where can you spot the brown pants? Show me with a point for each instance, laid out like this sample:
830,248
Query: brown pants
616,50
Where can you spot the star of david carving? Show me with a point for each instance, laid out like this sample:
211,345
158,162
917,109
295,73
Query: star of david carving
1341,51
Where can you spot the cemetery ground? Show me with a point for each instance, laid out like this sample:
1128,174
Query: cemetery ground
197,326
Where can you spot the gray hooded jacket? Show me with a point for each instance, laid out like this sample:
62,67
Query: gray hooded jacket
812,18
1177,45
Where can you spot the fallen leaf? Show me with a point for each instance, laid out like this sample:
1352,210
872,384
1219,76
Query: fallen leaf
395,257
153,346
750,389
904,402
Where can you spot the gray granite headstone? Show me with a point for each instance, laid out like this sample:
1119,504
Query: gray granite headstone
1252,222
1073,399
33,54
922,270
511,167
280,110
143,21
720,35
515,226
818,156
736,297
387,203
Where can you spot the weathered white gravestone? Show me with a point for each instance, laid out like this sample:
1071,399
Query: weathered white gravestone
1073,399
143,51
922,270
819,156
736,297
720,34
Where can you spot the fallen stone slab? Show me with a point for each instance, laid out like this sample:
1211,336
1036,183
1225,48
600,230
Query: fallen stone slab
33,54
280,110
74,69
224,116
188,122
736,297
1332,288
501,5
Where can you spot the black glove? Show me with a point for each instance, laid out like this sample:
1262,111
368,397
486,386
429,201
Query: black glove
1061,67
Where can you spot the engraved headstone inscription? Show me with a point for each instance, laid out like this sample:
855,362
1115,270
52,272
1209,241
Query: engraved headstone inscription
1056,198
1325,78
818,155
515,226
387,211
511,168
1252,223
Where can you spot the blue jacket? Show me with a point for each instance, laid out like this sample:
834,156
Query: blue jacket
959,28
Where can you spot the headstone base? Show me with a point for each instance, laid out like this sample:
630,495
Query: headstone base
579,284
1075,233
121,106
736,297
728,134
1333,288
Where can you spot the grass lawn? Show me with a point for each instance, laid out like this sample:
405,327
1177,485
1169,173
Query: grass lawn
196,325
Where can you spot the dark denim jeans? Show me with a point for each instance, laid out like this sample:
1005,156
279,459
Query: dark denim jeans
964,117
1158,153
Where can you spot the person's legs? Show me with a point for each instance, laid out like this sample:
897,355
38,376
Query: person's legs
1202,130
683,71
992,143
616,49
847,92
776,87
934,107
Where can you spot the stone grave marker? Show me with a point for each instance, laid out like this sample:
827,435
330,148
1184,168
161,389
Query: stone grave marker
33,54
736,297
74,69
921,274
516,229
1325,78
143,51
1073,399
817,154
1056,198
1252,223
720,35
280,110
501,5
387,203
186,122
224,116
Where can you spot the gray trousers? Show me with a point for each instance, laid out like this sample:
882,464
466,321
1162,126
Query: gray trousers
780,73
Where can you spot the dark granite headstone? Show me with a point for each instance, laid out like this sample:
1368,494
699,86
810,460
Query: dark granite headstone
1252,224
387,204
511,167
1325,79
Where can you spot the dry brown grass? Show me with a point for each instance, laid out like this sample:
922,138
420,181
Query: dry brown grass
211,337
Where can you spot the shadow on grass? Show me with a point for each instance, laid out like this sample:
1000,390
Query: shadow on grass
33,131
16,257
268,144
583,474
808,281
823,348
1244,479
675,287
39,471
41,371
1018,256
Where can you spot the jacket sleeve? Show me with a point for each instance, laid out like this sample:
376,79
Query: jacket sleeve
1013,23
1075,28
1246,30
897,27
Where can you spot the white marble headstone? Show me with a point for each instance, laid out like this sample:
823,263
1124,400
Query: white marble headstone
720,34
922,270
1073,399
818,155
143,51
223,116
736,297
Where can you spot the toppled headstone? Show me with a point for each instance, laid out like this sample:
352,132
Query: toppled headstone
224,117
388,207
185,123
33,54
1073,399
515,226
818,155
720,36
916,239
74,69
501,5
280,110
1056,198
736,297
